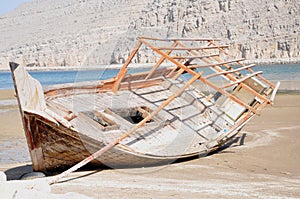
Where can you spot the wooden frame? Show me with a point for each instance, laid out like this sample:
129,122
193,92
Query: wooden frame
205,53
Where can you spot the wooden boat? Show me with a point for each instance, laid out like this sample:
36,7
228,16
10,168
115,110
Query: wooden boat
178,108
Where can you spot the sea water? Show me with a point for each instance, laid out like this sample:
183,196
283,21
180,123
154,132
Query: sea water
284,72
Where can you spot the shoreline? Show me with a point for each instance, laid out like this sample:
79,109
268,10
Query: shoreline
268,62
78,68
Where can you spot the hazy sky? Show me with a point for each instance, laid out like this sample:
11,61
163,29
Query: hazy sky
9,5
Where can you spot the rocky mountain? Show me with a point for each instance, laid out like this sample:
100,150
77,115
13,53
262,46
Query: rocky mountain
93,32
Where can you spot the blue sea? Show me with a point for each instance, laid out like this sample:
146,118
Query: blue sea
284,73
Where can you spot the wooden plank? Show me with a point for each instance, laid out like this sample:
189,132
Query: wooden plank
274,92
143,75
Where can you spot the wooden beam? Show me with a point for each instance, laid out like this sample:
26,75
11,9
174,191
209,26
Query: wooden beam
215,64
242,79
193,48
123,70
180,39
229,71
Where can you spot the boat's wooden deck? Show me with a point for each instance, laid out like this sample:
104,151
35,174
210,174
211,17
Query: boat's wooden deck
183,127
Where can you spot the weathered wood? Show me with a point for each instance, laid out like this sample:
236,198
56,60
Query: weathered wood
192,48
118,140
152,120
274,92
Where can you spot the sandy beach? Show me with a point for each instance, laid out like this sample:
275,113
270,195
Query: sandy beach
263,162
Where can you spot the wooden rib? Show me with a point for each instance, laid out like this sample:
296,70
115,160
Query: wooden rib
202,79
243,79
249,69
180,39
232,78
160,61
230,71
123,70
193,48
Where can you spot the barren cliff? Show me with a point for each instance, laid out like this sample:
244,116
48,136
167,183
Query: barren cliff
93,32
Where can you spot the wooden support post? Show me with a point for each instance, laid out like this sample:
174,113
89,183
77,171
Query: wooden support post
123,70
118,140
